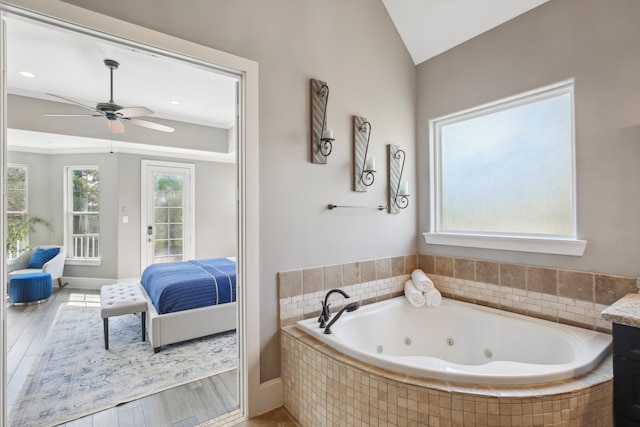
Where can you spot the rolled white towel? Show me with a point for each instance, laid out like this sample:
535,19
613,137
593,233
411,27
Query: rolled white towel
433,298
421,281
415,297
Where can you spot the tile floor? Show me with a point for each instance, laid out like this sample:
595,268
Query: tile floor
278,417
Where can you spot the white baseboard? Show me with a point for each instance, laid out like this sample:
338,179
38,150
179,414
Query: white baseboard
93,283
271,397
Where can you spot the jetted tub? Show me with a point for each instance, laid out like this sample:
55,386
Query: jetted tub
463,342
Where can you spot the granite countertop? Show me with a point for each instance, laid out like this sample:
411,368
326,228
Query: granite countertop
625,311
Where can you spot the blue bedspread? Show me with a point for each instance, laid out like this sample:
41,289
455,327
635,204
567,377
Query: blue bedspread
184,285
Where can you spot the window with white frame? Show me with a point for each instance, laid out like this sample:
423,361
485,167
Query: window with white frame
502,174
17,210
82,226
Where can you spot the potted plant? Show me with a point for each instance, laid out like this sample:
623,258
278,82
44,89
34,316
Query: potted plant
18,230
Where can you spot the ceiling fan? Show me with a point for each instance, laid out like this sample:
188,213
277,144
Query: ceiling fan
114,113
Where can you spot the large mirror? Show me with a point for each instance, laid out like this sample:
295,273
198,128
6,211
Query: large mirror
93,169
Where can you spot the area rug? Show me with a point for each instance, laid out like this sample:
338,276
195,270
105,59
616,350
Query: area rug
75,376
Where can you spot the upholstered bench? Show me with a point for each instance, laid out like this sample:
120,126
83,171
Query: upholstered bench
30,288
119,299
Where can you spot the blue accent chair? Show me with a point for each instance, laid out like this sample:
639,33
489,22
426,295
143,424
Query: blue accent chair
37,261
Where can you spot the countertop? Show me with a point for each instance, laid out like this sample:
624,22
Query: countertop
625,311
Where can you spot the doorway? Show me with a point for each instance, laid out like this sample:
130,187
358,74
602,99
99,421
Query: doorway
246,155
167,213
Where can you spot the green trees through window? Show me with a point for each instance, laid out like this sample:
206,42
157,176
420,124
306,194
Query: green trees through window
84,212
168,217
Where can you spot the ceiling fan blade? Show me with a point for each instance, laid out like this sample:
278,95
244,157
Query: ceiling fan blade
71,115
148,124
134,112
115,126
76,102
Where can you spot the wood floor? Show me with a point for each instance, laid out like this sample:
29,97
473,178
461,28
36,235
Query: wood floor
184,406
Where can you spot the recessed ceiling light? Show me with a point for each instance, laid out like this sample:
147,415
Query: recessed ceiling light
174,102
27,74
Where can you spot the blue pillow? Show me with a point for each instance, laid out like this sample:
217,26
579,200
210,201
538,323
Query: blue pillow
41,256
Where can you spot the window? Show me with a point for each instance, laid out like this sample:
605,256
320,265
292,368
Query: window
17,210
502,175
168,217
82,227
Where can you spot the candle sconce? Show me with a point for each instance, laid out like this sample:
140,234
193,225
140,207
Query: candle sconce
364,167
398,190
321,138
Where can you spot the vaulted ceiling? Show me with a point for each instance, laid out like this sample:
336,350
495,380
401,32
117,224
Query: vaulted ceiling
430,27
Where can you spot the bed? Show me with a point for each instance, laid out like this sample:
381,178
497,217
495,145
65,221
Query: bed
189,299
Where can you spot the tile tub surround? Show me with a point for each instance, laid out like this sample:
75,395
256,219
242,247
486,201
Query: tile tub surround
302,291
324,387
572,297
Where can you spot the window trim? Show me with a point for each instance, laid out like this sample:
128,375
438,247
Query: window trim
25,213
545,245
68,210
26,184
549,244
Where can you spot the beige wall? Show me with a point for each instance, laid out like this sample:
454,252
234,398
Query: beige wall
596,43
354,47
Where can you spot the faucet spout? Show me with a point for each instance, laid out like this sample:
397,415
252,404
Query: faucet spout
326,315
349,307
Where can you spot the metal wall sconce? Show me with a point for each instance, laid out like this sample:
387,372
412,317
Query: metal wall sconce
398,189
321,138
364,167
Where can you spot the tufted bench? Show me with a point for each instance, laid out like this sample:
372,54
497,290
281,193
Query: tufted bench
119,299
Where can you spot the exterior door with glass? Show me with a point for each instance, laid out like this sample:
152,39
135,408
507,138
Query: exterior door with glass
167,212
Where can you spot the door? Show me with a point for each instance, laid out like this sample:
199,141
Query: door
167,212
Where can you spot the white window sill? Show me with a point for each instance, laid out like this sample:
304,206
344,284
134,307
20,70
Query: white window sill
556,246
83,261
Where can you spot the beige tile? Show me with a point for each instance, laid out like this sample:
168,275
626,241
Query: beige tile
397,266
576,284
410,263
333,277
368,271
513,276
351,273
609,289
427,263
290,283
543,280
312,280
487,272
277,417
383,268
464,269
444,266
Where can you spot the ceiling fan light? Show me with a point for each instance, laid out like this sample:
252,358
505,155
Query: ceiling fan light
115,126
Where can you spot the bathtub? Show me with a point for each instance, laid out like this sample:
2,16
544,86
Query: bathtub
462,342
